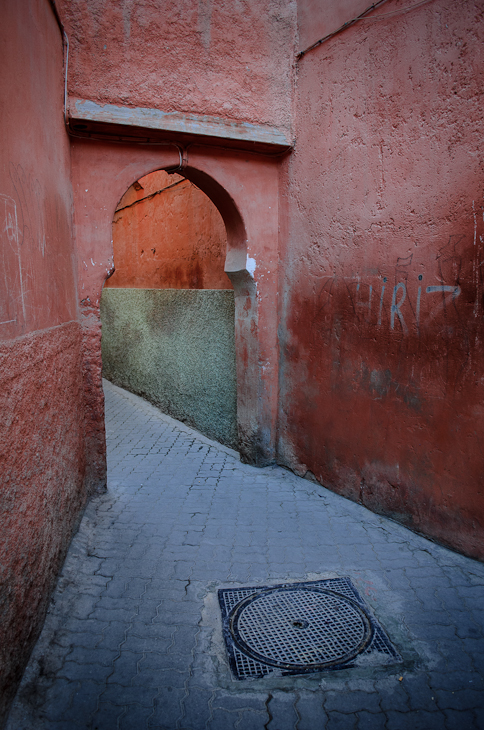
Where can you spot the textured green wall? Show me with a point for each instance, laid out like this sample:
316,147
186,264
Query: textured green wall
175,347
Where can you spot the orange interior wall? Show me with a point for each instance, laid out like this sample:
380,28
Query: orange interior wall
167,234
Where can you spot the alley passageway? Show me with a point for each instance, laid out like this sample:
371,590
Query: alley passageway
133,637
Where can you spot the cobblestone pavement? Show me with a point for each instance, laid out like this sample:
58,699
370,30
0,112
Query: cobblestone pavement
133,637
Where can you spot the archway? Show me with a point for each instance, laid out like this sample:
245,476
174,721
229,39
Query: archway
245,189
168,310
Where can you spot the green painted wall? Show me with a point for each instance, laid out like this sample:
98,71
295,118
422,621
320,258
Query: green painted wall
175,347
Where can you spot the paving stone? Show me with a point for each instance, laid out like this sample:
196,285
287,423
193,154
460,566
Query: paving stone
371,721
452,680
90,625
460,720
223,720
182,517
394,697
282,711
415,720
456,656
238,702
136,716
338,721
57,699
420,695
107,717
157,645
167,707
121,695
83,655
65,639
125,668
352,701
83,702
461,699
309,707
74,671
196,707
61,725
432,631
184,640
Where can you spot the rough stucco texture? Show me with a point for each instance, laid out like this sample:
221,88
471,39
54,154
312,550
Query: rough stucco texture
37,273
41,495
382,385
167,234
42,449
176,349
195,56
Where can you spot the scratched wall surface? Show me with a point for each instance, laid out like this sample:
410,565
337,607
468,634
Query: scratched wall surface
35,199
211,57
167,234
382,378
42,451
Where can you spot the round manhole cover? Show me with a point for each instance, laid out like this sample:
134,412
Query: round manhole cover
300,627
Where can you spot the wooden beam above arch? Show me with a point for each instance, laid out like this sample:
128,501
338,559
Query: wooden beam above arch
140,124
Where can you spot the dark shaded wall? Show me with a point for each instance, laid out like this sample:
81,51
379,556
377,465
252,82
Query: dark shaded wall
42,450
382,380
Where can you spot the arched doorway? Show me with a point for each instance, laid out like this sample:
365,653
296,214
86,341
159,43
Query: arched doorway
167,312
244,187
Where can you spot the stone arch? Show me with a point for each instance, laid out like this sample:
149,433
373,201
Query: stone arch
237,267
236,254
102,172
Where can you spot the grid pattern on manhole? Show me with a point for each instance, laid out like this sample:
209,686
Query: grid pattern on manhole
300,627
247,663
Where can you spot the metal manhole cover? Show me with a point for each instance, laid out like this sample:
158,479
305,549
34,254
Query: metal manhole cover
300,628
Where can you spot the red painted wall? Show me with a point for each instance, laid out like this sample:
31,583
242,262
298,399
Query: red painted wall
380,385
196,56
167,234
378,272
382,380
42,450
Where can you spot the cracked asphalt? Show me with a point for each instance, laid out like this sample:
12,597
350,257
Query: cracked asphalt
133,636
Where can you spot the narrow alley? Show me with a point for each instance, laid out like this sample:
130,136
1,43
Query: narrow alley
133,638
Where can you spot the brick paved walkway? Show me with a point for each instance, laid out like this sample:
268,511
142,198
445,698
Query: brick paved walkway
133,637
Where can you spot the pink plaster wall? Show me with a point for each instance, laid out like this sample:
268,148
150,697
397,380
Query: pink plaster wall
197,56
35,193
167,234
382,379
42,450
318,18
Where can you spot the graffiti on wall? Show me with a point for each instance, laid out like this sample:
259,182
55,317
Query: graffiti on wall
12,296
405,300
21,228
418,319
32,220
